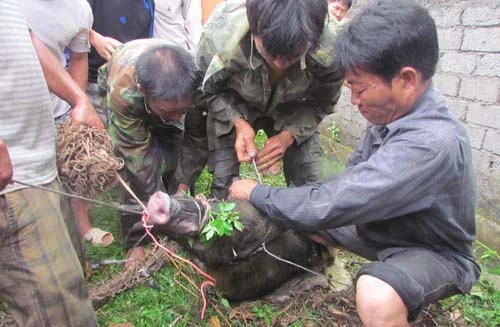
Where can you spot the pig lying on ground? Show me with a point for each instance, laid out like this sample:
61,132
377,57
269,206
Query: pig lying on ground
240,266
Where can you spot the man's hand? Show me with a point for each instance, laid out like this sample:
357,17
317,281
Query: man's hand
5,166
83,111
274,149
241,189
104,45
245,140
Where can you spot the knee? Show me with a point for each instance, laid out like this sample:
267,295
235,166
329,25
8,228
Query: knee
379,304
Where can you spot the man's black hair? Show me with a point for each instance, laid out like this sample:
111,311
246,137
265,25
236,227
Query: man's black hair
166,72
348,3
288,28
386,36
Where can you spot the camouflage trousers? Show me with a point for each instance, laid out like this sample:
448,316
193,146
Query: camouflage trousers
41,277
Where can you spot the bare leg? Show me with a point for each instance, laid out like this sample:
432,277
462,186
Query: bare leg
379,304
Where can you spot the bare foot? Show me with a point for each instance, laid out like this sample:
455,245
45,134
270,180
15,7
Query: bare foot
136,255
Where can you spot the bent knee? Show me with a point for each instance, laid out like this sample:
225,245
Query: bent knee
379,304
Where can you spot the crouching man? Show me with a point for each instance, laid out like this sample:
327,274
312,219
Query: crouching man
406,199
148,86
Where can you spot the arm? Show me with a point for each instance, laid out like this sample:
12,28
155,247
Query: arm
61,83
224,105
78,68
391,183
79,47
191,11
5,166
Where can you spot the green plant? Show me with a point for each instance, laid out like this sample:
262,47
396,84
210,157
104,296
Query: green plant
480,306
486,255
334,131
222,222
265,312
204,183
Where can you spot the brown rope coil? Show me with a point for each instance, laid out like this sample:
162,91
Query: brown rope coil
85,159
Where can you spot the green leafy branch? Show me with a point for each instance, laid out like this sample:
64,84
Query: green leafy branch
222,222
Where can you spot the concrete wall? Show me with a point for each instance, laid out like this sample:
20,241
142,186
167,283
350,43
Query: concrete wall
468,75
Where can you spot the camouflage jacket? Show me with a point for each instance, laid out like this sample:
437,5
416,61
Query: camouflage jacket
236,83
130,122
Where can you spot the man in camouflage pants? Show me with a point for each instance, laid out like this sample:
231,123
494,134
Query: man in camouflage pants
267,65
148,87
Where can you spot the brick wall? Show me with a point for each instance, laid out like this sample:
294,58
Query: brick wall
468,75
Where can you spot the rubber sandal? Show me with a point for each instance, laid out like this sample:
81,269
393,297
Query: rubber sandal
96,236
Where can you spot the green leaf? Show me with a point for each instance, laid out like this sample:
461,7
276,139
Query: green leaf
209,234
238,225
225,303
226,225
218,224
227,206
206,228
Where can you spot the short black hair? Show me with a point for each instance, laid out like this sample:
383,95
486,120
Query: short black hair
347,3
288,28
386,36
166,72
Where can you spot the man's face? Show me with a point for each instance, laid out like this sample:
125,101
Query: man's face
275,62
337,9
380,103
169,110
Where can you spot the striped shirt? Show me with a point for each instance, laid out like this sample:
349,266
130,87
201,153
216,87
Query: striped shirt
409,183
26,123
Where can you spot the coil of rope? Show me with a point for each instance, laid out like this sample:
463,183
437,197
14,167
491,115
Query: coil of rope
85,159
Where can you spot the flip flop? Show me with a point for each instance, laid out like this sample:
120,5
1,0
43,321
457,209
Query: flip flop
96,236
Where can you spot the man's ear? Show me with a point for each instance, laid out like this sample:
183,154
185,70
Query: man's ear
408,85
409,78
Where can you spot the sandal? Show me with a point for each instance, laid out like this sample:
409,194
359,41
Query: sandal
97,236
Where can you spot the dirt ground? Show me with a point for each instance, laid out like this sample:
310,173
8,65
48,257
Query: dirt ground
331,309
